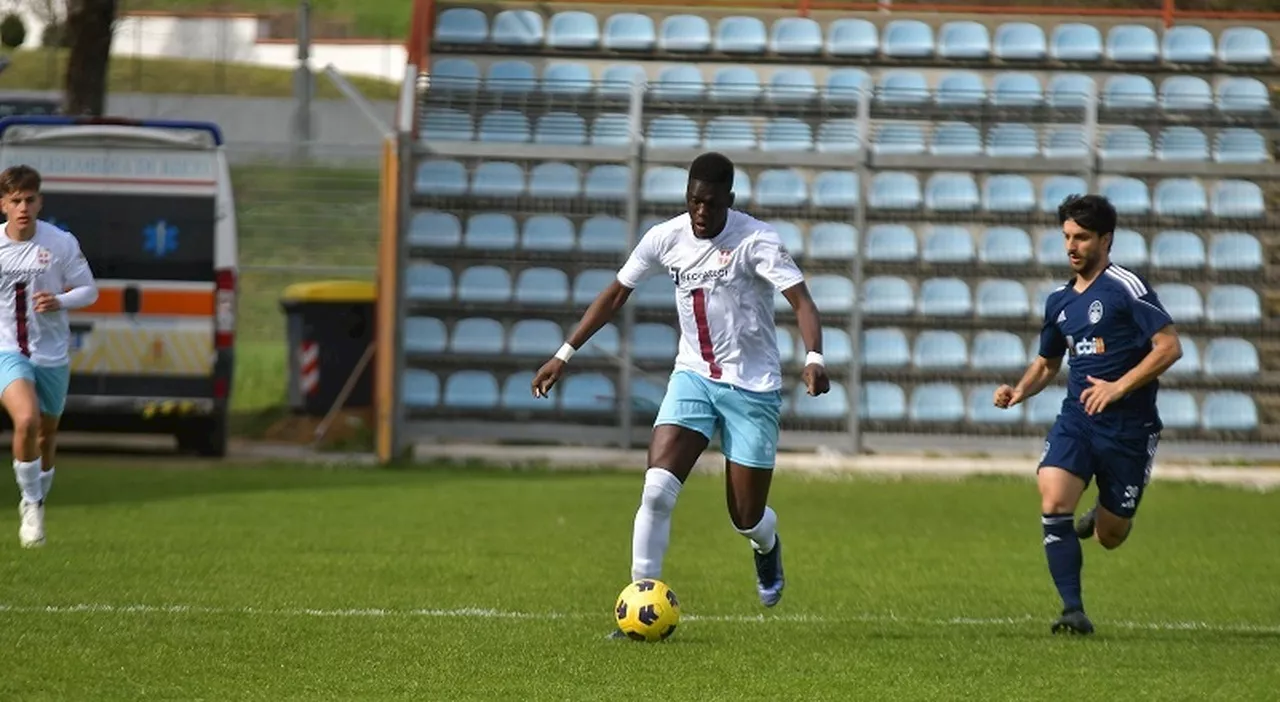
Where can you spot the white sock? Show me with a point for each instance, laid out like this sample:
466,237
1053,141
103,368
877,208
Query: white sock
765,533
653,523
46,483
27,474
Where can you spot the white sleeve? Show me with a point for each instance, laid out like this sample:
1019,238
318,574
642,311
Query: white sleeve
772,262
78,277
642,261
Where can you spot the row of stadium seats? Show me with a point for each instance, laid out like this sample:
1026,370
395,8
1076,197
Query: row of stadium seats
844,86
851,37
837,241
882,295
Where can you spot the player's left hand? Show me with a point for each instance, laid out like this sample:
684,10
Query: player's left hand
1099,395
815,379
46,302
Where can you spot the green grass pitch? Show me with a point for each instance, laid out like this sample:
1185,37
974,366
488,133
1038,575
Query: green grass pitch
203,581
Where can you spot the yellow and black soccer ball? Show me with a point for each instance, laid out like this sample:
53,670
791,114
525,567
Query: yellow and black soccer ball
647,610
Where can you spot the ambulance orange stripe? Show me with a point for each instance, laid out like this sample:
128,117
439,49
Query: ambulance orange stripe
178,303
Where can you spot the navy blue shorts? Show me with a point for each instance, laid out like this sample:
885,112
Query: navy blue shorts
1121,461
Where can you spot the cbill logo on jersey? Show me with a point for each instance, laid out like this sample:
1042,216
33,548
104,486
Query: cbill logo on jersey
1093,346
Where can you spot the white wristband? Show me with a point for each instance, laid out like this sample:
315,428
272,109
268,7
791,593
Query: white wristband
566,352
814,358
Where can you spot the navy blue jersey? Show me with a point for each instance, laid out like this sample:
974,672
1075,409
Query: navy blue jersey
1107,329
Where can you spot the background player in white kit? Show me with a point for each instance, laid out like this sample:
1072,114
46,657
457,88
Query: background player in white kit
42,274
726,266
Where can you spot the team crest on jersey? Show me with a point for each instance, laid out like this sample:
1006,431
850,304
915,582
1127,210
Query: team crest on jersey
43,257
1095,311
726,255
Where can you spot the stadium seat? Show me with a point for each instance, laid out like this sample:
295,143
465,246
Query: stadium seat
1055,189
490,231
546,233
964,40
521,28
1016,90
664,185
1129,195
462,25
1182,144
951,192
1020,41
982,411
1132,43
741,185
1235,251
1065,141
587,393
1129,92
543,286
1242,95
1228,410
654,342
656,292
786,134
997,351
837,350
440,177
961,89
790,235
516,397
1126,143
629,31
892,190
1244,45
647,396
511,77
887,295
885,347
434,229
936,403
852,37
617,81
898,138
589,284
1187,44
428,282
833,292
738,34
945,297
504,127
882,402
604,343
560,129
956,139
947,244
1231,357
455,75
603,234
778,187
1233,304
846,86
938,349
735,84
830,406
1128,248
425,335
1043,409
420,389
1185,94
673,132
1239,145
1070,90
786,346
1189,365
1238,199
832,241
1177,409
567,79
795,36
1002,299
498,179
1005,246
555,181
573,29
1075,41
477,335
1012,140
611,129
678,83
484,284
447,124
1050,249
607,182
471,389
729,133
891,243
1177,249
838,136
903,88
907,39
1181,301
1180,197
685,33
1008,193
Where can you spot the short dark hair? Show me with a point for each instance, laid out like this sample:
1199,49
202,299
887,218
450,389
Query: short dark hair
712,168
16,179
1092,212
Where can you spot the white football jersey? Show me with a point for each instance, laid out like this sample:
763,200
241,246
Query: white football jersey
50,261
724,294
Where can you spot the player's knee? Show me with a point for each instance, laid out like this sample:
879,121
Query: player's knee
661,488
1055,504
27,425
1111,536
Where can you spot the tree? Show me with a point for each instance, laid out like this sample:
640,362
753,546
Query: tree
12,31
89,28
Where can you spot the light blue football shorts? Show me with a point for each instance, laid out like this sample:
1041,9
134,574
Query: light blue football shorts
51,382
748,421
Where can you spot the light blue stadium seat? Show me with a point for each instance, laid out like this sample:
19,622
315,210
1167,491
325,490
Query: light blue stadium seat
885,347
447,124
605,342
656,292
1182,144
617,79
1233,304
1070,90
1235,251
1008,193
543,286
428,282
1055,189
790,235
902,87
947,244
546,233
832,241
1126,143
898,138
1128,195
499,179
434,229
1185,94
735,84
956,139
778,187
945,297
1005,245
1242,95
1181,301
462,25
729,133
1228,410
838,136
425,335
678,83
1065,141
629,31
1076,41
892,190
1132,43
477,335
792,86
938,349
1128,248
1244,45
1238,199
517,28
1020,41
1189,364
830,406
590,283
607,182
887,295
1187,44
1177,409
741,185
738,34
647,396
517,397
420,389
936,403
673,132
1239,145
1177,249
685,33
440,177
1043,409
846,86
837,350
982,411
573,29
951,192
1002,299
786,344
664,184
611,129
1231,357
1012,140
882,402
603,234
795,36
504,126
832,292
852,37
587,393
1129,92
891,242
454,74
654,342
484,284
567,79
561,129
471,389
511,77
961,89
490,231
786,134
1016,90
964,40
1050,248
1180,197
997,350
907,39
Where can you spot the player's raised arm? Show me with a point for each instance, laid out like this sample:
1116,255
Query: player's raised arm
1042,369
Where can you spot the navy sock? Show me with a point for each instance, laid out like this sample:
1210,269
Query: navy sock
1062,548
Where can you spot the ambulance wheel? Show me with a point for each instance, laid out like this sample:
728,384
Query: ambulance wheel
205,438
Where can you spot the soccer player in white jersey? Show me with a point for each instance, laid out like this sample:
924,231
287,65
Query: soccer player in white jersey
726,266
42,275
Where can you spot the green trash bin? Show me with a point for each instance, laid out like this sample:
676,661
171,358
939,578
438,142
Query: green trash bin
330,325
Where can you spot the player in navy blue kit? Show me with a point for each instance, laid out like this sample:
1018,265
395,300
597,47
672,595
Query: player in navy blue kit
1120,339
